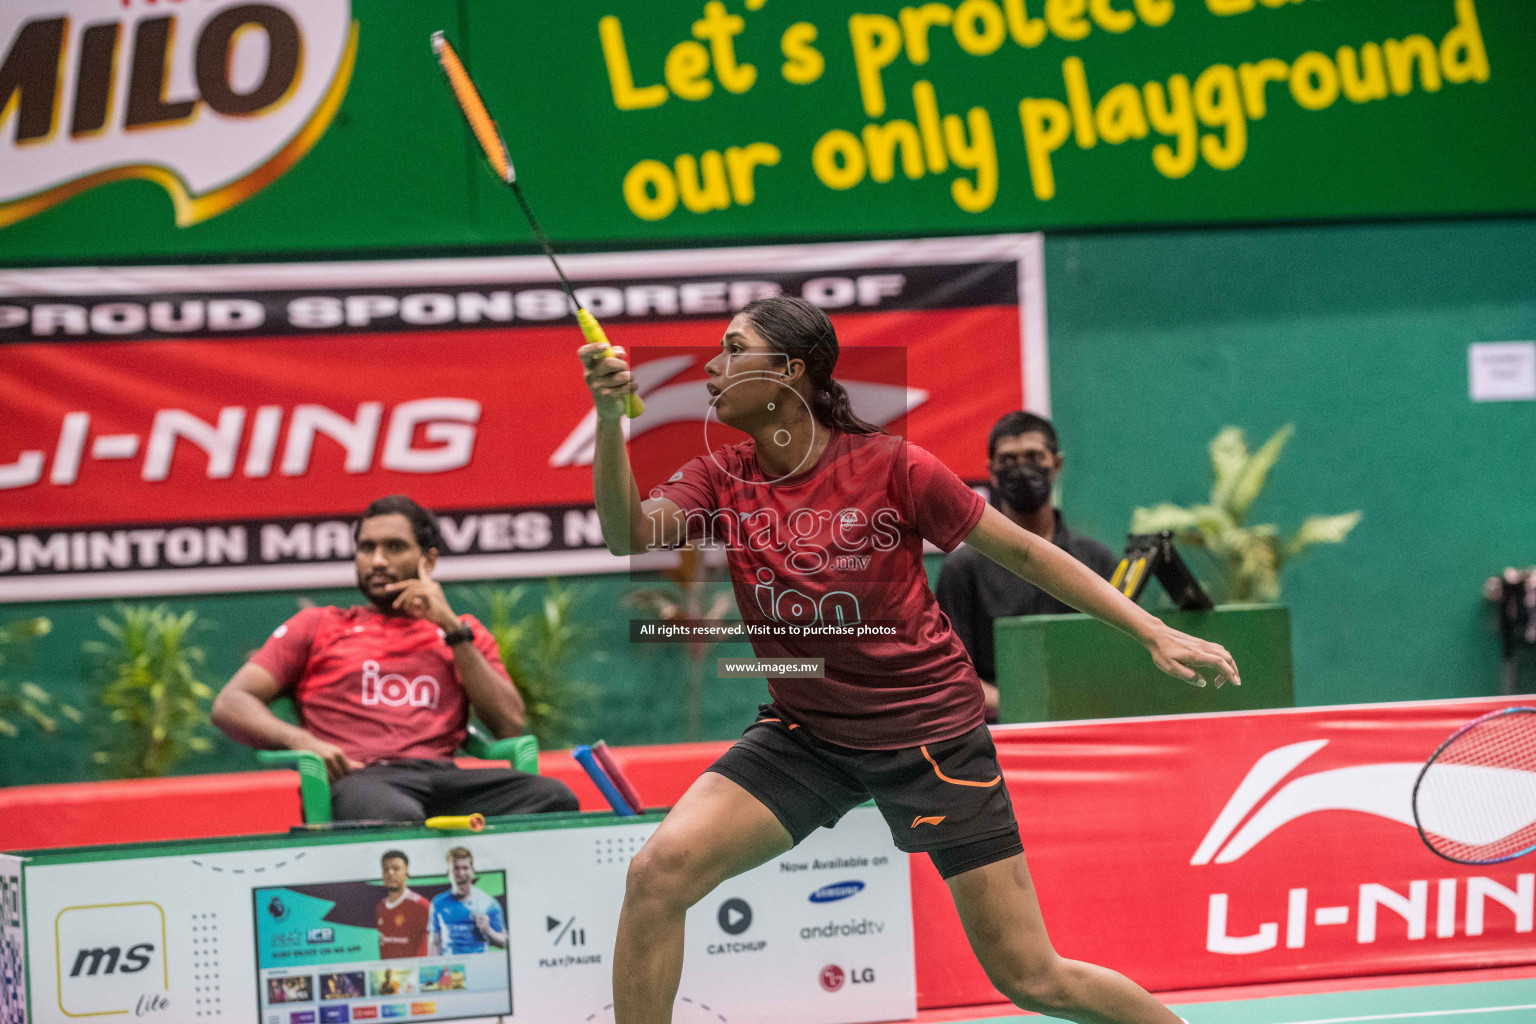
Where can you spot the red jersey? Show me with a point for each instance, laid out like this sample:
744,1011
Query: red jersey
403,926
837,545
375,685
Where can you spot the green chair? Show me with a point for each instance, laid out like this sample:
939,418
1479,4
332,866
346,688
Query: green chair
315,781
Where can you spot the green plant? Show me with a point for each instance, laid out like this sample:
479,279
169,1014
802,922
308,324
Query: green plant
1250,557
536,648
25,702
157,708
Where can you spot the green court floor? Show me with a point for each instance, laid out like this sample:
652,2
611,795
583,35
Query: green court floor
1489,1002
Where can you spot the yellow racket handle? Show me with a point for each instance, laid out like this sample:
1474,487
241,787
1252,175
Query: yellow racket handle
593,331
458,823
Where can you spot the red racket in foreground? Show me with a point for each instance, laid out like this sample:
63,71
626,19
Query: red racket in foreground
1475,799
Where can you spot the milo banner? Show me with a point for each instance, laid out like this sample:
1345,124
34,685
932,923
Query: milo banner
133,129
194,429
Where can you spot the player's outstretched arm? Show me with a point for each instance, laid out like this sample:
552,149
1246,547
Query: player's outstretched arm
630,525
1059,574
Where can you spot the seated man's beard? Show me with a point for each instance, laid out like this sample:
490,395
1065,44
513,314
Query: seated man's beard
383,600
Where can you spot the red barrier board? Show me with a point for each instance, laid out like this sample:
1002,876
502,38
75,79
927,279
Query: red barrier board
1207,850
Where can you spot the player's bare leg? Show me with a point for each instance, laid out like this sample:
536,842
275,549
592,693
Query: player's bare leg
1002,919
715,831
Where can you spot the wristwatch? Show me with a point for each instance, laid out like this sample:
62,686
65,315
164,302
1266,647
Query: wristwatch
458,636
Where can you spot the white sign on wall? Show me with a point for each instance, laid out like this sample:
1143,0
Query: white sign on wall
309,934
1502,371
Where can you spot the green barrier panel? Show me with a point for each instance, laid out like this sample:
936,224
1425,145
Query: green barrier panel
1060,667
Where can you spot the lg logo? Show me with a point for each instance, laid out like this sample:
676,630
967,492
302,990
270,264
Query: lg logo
832,976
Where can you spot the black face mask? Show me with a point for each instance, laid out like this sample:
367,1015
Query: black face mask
1024,487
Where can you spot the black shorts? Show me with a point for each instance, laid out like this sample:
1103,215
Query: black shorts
945,799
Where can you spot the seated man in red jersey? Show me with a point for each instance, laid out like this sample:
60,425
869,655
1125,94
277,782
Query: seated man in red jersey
384,691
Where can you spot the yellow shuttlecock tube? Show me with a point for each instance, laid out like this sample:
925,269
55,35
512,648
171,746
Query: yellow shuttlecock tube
469,101
458,823
593,331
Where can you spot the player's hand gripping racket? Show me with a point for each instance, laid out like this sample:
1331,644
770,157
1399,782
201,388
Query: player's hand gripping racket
495,150
1475,799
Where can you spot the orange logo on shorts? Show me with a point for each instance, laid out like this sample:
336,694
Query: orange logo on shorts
933,820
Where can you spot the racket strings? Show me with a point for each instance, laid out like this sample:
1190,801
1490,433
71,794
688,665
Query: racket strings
1476,801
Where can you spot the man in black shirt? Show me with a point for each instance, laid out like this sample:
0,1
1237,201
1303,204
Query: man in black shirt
1024,460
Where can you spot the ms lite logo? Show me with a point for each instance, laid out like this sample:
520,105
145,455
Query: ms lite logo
211,102
110,958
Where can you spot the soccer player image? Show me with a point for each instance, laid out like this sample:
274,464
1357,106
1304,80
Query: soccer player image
465,919
897,718
402,914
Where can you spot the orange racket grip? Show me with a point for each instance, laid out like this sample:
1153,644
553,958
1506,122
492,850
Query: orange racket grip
593,331
458,823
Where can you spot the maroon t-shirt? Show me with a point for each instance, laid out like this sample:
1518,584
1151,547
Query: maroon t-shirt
375,685
841,544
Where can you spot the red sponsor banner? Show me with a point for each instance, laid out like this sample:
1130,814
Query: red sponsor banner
182,429
1208,850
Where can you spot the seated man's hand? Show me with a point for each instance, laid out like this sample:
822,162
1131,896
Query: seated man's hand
422,598
337,763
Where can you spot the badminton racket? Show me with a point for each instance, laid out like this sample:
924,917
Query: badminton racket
1475,799
495,149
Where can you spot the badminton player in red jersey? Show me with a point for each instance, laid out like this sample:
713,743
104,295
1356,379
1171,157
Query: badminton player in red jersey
823,517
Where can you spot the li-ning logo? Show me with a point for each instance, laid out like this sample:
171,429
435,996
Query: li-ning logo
1385,790
212,102
396,691
1382,789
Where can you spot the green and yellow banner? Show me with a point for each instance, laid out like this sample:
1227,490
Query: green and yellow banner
634,122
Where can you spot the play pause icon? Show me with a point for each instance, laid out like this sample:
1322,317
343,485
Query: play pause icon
577,936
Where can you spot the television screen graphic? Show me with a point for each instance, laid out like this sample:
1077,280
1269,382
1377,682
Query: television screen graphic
408,948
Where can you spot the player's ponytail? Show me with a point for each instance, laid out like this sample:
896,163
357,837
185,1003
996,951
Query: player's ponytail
802,331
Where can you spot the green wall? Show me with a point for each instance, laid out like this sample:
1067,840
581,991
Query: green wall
1357,334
